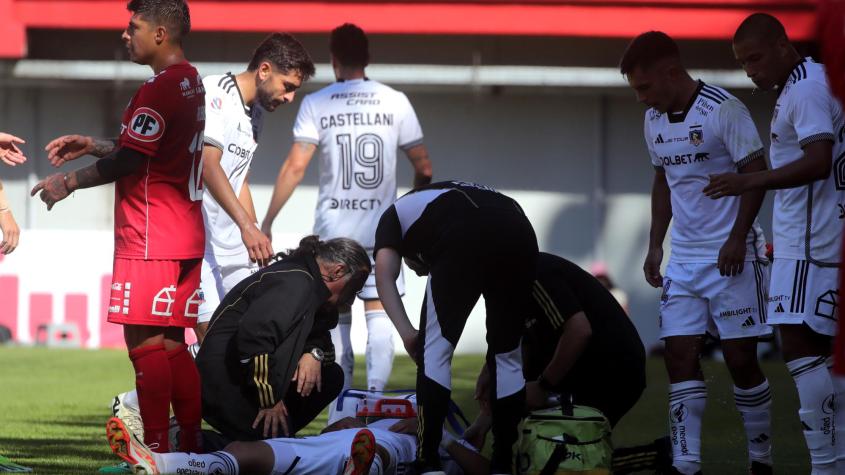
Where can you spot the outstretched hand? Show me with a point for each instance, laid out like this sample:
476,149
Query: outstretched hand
67,148
10,154
53,189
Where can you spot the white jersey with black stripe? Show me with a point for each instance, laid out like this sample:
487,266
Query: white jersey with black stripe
358,125
713,134
234,128
808,219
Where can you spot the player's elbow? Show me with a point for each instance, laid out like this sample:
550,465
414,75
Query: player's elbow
294,170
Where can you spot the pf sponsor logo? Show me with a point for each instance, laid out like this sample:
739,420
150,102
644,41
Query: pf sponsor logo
216,103
146,125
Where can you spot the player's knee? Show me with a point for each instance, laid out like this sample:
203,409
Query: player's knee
742,362
681,364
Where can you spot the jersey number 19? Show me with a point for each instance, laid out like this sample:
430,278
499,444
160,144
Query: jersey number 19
366,151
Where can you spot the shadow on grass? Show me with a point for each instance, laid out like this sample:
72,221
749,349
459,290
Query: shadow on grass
73,444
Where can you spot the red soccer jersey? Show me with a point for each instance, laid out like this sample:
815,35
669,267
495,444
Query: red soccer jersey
158,208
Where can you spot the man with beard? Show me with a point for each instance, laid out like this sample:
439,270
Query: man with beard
235,107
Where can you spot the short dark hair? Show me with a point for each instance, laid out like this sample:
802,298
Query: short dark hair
647,49
760,26
285,53
171,14
349,45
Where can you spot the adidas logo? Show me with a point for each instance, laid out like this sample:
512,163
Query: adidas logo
779,308
659,139
760,439
749,322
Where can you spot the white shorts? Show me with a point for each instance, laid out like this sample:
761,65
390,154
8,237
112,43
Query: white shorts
802,292
369,291
696,299
219,275
326,454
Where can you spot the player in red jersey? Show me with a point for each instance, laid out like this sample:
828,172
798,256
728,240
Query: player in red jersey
159,236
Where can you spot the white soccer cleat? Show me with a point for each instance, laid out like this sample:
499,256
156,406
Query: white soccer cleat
361,454
126,445
129,414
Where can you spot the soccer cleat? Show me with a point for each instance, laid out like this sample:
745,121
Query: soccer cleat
361,454
129,414
760,468
126,445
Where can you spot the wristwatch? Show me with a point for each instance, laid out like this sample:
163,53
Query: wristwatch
317,354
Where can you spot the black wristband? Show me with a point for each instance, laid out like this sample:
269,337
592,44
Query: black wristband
544,384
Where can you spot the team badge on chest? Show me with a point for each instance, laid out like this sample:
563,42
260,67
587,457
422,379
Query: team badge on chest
696,135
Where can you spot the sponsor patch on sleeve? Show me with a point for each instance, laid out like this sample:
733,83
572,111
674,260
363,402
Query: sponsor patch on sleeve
146,125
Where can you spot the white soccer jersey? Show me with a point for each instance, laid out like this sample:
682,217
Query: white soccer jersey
806,112
358,126
233,127
714,134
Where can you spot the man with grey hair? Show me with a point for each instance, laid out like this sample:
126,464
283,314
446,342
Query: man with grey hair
271,331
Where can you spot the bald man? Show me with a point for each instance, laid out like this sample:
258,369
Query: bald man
809,183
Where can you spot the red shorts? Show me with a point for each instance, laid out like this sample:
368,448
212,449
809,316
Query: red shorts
155,293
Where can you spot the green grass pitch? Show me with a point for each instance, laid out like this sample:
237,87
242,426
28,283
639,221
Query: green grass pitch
54,405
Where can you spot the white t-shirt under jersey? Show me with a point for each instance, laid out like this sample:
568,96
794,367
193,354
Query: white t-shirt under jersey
807,112
358,126
234,128
714,134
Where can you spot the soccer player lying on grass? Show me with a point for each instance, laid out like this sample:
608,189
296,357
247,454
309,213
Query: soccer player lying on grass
385,446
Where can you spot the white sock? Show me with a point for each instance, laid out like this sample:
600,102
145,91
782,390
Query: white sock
376,468
380,349
130,400
839,415
815,391
222,463
342,341
686,408
754,406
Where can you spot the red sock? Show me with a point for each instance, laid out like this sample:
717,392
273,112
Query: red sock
152,380
185,395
